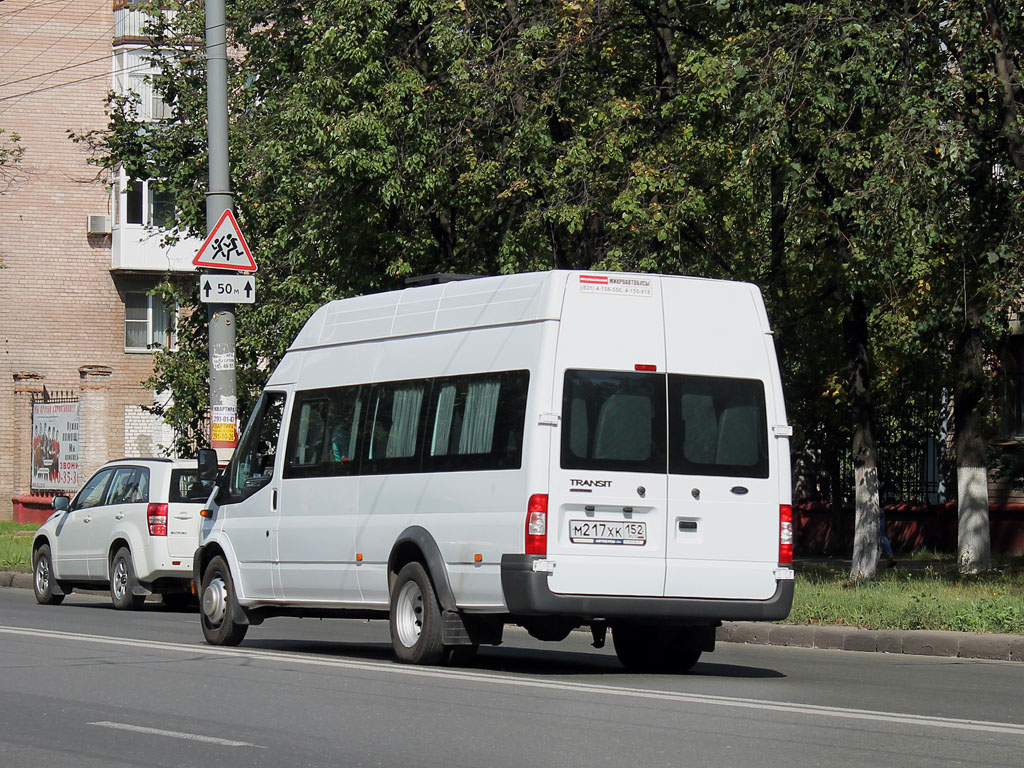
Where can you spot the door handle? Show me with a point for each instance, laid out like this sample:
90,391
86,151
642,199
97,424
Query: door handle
273,500
183,516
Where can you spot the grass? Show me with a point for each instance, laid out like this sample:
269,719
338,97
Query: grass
926,592
932,596
16,546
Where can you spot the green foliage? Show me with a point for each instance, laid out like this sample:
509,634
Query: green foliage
826,151
924,598
16,546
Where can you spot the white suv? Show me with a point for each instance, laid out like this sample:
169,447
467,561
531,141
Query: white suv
133,527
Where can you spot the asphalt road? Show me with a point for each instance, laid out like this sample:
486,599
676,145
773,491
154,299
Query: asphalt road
82,685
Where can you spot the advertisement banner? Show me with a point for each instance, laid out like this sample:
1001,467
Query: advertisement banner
55,464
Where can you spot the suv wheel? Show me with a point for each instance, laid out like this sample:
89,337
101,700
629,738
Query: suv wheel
42,578
122,582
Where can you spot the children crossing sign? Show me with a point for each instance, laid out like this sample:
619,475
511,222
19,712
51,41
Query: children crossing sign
225,248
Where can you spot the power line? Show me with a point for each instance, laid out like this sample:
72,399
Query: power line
54,71
101,7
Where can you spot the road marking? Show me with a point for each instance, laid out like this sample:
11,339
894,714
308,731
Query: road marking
175,734
491,678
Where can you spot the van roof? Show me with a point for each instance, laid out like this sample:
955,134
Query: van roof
477,303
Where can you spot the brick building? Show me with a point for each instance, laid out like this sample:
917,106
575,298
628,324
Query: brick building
78,250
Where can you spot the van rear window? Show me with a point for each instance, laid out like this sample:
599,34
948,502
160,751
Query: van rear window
613,421
717,426
617,421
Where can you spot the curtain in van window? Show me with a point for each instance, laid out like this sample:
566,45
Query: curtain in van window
478,423
405,417
443,421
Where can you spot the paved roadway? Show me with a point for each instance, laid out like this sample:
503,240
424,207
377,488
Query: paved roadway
82,685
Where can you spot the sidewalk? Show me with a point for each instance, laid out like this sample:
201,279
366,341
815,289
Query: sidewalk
917,642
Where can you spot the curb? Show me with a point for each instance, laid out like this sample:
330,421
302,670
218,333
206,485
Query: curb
15,579
916,642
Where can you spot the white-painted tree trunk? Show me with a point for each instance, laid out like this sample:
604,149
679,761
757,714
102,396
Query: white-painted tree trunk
974,542
865,532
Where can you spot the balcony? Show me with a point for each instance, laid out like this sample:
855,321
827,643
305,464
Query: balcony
141,218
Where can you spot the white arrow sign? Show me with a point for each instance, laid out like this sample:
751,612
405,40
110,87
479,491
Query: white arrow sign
227,289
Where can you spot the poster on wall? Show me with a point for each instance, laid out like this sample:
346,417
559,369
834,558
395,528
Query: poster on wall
55,464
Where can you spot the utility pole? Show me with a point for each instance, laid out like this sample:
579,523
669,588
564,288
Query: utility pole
223,397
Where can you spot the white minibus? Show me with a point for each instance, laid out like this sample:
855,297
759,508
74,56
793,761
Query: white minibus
553,450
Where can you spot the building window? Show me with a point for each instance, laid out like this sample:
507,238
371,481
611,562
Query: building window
143,205
148,323
133,74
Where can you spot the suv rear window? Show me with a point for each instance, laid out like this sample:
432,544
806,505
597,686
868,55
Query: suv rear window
617,421
185,486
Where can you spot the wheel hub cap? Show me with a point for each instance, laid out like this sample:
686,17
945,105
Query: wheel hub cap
215,601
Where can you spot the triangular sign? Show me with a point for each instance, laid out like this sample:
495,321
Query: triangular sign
225,248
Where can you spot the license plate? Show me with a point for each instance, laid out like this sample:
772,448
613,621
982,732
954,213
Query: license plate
607,532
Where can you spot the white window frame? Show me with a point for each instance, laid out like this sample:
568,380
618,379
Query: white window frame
172,324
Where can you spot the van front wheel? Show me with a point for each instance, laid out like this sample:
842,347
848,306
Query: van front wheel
415,618
219,626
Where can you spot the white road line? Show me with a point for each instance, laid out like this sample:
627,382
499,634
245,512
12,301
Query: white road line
491,678
175,734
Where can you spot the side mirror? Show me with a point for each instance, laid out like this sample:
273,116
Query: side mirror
208,468
60,503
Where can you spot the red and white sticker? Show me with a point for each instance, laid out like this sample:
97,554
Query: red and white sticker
624,285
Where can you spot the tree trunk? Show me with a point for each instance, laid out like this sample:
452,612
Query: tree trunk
974,549
865,456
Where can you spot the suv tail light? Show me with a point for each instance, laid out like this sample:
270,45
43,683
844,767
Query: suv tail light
156,516
785,534
537,525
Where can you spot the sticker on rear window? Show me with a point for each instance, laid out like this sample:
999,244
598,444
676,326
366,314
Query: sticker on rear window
618,286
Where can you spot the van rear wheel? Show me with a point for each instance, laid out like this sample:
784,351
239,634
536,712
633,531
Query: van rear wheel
415,618
653,649
215,609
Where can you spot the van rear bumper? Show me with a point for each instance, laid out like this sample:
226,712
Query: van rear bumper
527,594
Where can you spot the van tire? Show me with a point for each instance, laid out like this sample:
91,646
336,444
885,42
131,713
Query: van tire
122,582
43,578
415,618
653,649
216,602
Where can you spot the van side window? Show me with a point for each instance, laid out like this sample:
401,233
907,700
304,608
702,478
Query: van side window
477,422
253,464
613,421
394,427
717,426
324,429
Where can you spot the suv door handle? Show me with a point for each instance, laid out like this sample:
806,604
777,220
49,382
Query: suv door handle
183,516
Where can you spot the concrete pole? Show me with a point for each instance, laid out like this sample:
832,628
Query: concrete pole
223,397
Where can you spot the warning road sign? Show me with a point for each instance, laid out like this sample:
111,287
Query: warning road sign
225,248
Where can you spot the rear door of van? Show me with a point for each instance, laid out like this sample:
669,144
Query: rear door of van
723,489
607,512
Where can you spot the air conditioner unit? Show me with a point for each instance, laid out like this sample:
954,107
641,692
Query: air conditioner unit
98,224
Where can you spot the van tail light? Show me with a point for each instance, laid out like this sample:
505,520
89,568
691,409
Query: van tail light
156,516
537,525
785,534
